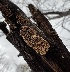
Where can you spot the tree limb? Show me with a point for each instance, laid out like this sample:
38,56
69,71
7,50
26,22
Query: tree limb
59,14
58,53
17,19
24,34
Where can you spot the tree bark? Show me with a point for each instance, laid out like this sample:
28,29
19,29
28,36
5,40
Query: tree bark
59,53
55,59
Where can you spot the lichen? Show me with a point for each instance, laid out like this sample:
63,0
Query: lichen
34,40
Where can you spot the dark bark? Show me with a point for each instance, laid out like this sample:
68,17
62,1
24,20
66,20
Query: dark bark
59,53
16,19
3,28
59,14
56,59
35,61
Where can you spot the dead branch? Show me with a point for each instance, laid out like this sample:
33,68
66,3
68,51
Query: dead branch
40,46
58,53
59,14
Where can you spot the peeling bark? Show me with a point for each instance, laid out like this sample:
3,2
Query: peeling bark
56,59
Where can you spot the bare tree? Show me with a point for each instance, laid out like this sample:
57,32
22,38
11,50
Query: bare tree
53,10
60,14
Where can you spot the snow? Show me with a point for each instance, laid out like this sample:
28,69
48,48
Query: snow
10,53
10,50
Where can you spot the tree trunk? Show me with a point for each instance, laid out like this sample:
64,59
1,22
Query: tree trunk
52,56
58,53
